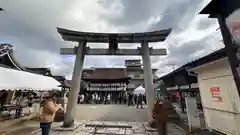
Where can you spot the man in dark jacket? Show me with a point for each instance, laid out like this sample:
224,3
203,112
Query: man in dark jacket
139,100
129,99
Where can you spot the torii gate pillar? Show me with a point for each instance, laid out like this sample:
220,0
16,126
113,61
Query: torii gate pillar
75,85
148,78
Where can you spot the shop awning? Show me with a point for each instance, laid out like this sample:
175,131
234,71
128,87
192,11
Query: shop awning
20,80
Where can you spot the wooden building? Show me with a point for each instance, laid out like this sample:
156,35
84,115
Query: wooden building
134,70
105,80
182,82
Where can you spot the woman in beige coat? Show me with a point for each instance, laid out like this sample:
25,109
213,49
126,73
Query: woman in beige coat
49,109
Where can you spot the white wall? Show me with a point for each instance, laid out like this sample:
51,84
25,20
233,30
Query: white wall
133,83
223,116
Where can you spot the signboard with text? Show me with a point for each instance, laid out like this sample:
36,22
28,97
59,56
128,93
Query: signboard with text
216,95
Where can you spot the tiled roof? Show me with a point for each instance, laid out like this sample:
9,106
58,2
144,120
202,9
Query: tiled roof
7,58
107,73
42,71
216,55
67,84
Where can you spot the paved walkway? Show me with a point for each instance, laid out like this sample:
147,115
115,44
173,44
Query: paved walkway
111,113
119,128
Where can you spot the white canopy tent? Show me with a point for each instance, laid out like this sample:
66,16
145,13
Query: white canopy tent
15,80
139,90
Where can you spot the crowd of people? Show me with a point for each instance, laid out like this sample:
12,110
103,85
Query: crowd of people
98,98
136,100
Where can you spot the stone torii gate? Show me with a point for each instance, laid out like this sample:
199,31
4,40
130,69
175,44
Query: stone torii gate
112,39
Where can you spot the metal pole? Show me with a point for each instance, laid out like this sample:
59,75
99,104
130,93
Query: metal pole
148,78
75,85
230,50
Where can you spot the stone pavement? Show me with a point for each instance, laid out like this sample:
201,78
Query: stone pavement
118,128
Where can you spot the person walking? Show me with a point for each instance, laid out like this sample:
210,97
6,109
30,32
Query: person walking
109,98
99,99
30,103
79,98
139,100
20,103
130,99
135,99
49,109
82,99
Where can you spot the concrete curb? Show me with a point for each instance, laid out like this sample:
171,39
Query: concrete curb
173,124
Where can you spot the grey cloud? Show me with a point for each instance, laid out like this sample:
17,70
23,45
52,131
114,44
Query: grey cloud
34,22
31,27
136,12
205,23
189,51
178,16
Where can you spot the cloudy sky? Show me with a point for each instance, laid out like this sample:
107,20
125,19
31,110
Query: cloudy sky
30,26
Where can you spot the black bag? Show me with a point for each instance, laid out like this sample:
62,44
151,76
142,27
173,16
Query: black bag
59,116
30,104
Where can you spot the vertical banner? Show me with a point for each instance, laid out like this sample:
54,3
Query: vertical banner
233,23
178,94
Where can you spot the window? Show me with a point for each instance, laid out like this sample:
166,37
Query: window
131,75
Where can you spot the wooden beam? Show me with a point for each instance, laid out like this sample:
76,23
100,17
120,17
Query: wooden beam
68,51
120,39
98,51
154,36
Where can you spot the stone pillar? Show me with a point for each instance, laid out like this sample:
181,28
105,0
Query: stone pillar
148,78
75,85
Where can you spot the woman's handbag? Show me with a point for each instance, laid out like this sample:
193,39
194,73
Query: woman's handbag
59,116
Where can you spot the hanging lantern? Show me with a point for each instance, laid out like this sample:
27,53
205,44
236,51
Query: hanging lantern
233,23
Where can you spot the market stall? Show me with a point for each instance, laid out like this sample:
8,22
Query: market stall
15,79
12,80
